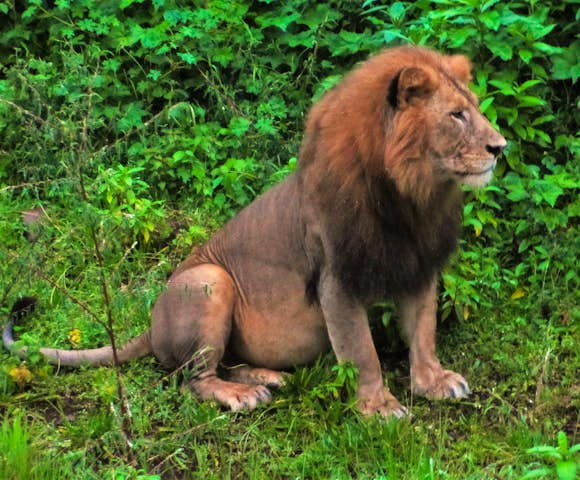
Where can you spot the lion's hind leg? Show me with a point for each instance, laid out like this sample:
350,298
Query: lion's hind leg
192,322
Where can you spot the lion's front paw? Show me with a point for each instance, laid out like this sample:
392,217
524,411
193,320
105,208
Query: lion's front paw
385,406
436,383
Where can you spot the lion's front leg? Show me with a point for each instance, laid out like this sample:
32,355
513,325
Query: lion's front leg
351,340
419,322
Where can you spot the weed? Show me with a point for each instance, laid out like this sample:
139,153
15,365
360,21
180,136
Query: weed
559,462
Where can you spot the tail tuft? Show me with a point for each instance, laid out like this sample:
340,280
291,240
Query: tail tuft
22,307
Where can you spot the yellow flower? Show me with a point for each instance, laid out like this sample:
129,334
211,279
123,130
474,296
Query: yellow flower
20,375
74,337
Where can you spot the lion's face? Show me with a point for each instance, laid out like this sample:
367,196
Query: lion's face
463,145
452,139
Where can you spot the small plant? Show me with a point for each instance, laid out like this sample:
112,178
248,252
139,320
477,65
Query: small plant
559,462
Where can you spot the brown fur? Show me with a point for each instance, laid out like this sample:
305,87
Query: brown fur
373,211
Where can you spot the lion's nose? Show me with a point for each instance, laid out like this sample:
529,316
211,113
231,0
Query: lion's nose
497,147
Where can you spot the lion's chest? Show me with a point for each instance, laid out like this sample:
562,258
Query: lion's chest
392,259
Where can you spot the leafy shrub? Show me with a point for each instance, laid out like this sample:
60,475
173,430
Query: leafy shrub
156,102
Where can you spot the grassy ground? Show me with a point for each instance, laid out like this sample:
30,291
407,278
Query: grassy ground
521,358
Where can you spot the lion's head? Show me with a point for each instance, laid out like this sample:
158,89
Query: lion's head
409,114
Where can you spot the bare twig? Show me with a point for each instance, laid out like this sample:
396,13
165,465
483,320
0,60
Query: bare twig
135,130
28,113
28,184
110,323
540,382
226,98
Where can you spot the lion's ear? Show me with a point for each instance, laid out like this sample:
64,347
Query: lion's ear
460,66
413,83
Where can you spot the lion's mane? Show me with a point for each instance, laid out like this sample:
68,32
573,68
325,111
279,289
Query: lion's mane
390,226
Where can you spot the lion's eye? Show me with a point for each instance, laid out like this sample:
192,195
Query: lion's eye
459,115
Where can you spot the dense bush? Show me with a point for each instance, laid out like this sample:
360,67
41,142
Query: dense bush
156,102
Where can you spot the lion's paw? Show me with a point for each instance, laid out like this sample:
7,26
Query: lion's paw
436,383
235,396
385,407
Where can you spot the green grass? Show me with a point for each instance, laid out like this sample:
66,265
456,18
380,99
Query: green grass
520,357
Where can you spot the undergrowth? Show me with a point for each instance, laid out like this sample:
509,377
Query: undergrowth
136,128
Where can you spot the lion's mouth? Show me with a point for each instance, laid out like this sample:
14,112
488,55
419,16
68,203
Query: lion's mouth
475,173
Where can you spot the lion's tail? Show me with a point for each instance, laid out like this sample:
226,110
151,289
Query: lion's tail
135,348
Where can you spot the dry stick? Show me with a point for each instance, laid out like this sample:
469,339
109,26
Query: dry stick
109,325
22,110
125,410
28,184
229,100
540,382
135,130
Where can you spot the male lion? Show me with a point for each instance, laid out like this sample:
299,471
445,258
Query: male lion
372,211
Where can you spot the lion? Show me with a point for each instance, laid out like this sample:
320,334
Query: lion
372,211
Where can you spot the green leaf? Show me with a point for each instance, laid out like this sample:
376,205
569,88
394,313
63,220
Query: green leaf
305,39
397,12
538,473
391,35
491,114
278,18
521,131
111,64
127,3
187,58
489,4
548,191
504,87
566,470
483,106
133,117
499,47
29,12
153,37
265,126
315,17
154,74
239,126
525,54
567,65
574,448
515,187
562,442
528,84
491,19
461,35
529,101
543,119
545,48
346,43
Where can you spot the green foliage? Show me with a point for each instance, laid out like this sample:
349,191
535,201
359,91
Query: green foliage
565,460
149,123
159,102
22,456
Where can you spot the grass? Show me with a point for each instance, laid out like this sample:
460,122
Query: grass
520,357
